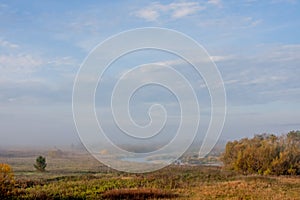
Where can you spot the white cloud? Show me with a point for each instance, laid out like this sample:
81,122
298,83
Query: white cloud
174,62
20,63
222,58
251,22
174,10
180,10
263,80
23,65
7,44
147,14
216,58
63,61
229,82
215,2
283,53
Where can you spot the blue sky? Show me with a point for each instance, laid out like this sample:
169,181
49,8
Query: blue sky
255,44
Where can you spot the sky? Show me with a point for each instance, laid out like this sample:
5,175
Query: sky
255,45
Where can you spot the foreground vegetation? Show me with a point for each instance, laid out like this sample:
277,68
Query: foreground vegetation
264,167
173,182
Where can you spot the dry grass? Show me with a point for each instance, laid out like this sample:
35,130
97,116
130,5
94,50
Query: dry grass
136,194
249,188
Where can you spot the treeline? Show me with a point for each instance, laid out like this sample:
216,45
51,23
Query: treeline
265,154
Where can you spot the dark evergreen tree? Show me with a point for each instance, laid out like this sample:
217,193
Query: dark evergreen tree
40,164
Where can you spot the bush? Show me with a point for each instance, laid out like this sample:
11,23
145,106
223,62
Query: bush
7,181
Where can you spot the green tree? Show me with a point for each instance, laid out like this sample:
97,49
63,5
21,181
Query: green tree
40,164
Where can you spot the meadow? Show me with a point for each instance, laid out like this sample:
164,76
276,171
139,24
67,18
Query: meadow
77,175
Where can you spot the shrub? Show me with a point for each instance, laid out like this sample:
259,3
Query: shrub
7,181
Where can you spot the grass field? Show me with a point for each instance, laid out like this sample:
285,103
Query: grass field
79,176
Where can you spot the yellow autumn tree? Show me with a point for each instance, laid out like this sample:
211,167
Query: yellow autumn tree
7,181
265,154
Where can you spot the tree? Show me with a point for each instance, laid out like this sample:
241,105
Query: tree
7,181
265,154
294,135
40,163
